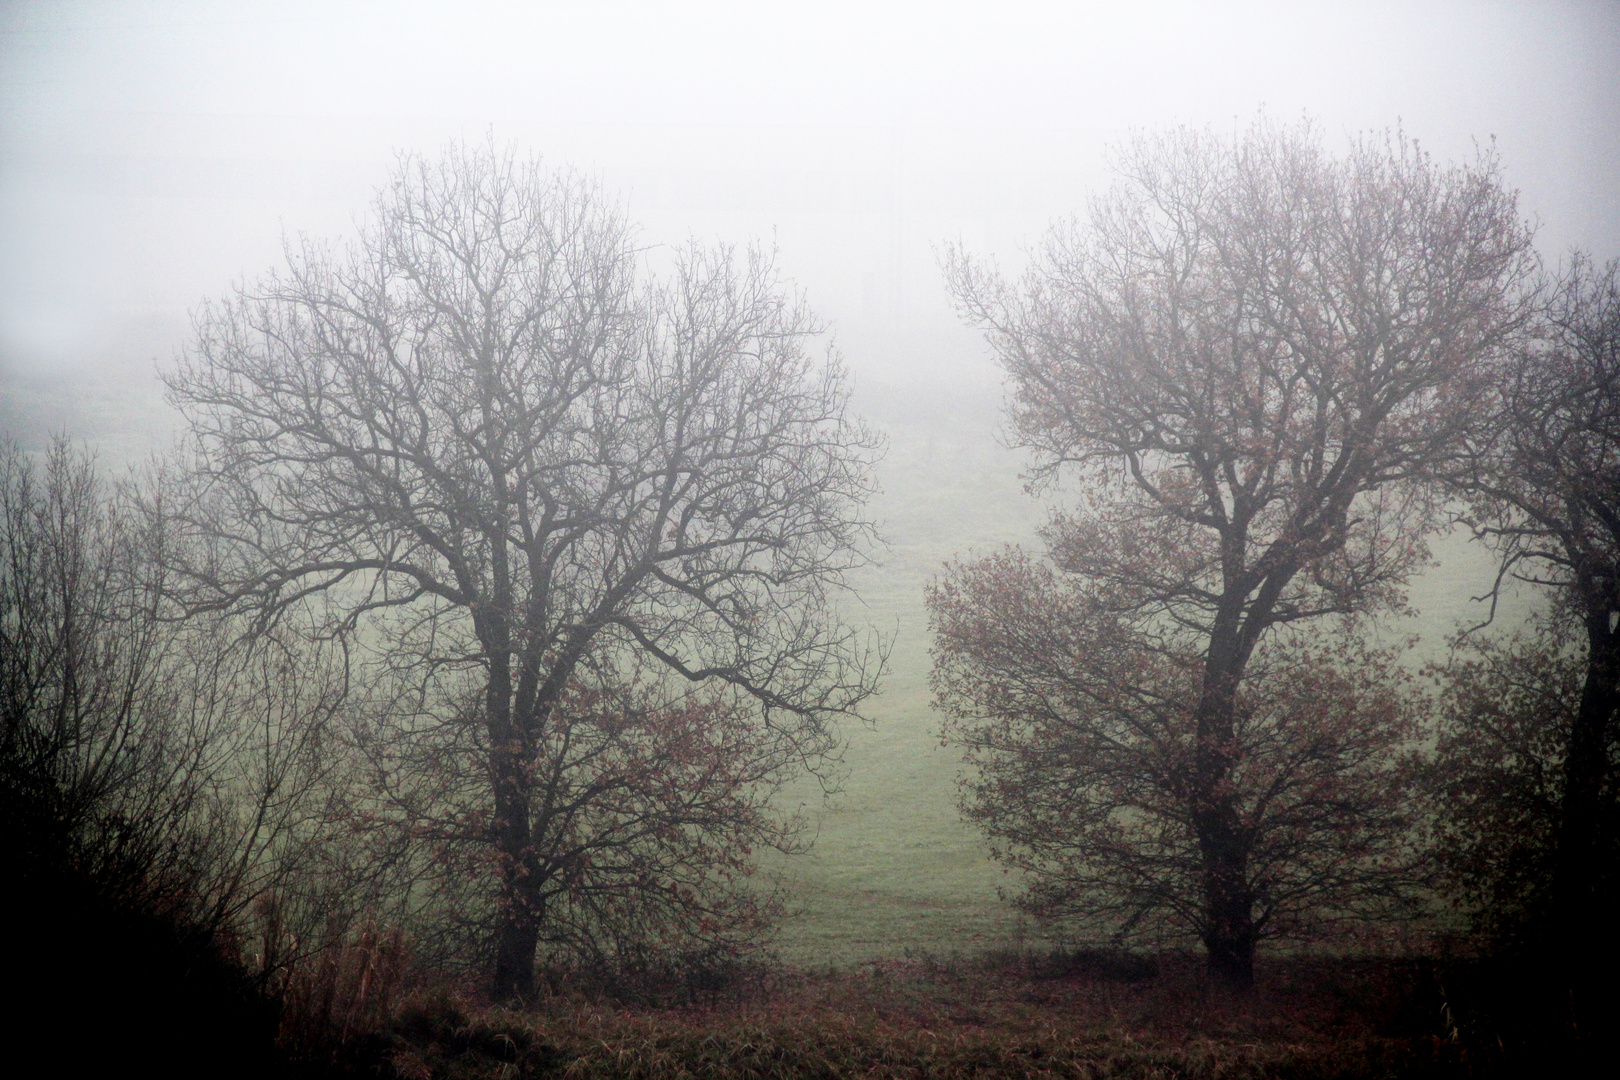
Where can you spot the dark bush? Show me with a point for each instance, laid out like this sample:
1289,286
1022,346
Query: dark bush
106,977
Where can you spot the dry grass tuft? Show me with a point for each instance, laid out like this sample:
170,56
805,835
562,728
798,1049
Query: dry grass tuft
339,1005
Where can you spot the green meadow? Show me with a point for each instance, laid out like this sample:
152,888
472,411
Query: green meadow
893,869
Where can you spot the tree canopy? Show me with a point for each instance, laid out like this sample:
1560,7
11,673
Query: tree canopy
1541,480
1245,365
521,477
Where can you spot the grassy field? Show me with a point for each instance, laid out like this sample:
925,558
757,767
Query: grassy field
893,870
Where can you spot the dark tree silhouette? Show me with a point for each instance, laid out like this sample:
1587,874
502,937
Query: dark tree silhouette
1543,483
1249,360
158,756
155,778
1508,707
522,483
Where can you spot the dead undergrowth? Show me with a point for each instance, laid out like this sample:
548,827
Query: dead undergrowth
1083,1015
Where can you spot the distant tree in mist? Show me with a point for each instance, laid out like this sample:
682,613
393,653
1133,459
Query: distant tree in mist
579,527
1245,365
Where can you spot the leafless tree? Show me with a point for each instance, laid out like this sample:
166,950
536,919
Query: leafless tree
1543,484
498,457
1251,357
148,763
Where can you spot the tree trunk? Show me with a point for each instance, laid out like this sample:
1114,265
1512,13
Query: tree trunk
517,930
1579,923
515,942
1229,935
1230,955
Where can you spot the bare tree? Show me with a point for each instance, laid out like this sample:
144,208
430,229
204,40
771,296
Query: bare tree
1250,357
488,450
1543,483
82,648
151,768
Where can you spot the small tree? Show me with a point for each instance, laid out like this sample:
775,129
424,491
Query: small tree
513,474
1508,707
1250,357
89,767
157,775
158,758
1543,484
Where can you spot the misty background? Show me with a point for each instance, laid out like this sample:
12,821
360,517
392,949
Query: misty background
151,154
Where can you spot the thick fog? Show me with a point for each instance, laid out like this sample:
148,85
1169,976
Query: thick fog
153,153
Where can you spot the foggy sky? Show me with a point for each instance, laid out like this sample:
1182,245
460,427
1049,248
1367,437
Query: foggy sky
152,154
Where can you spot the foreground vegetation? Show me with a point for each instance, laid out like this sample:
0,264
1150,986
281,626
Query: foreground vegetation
1091,1013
